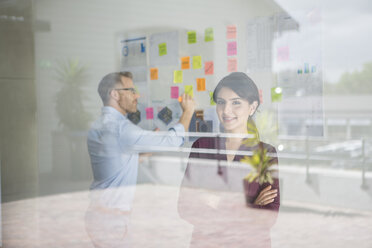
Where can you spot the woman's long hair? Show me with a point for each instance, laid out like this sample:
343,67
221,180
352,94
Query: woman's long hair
244,87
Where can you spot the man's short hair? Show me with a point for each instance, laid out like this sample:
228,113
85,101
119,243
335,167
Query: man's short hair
108,83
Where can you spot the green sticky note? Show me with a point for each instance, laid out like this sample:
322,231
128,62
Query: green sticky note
177,77
189,91
212,102
162,49
208,35
196,62
191,37
276,94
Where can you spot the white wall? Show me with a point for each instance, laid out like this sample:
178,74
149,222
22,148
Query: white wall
87,30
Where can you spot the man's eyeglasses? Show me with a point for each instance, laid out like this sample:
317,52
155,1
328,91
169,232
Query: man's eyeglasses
133,90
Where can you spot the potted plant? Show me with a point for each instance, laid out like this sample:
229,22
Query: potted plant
261,173
69,99
70,159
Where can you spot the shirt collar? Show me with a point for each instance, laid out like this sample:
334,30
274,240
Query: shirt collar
112,111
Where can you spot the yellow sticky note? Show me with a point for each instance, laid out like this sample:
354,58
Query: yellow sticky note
185,62
208,35
211,101
177,77
189,91
154,73
191,37
200,83
196,62
162,49
276,94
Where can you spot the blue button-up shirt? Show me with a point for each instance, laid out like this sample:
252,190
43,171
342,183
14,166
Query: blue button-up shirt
111,142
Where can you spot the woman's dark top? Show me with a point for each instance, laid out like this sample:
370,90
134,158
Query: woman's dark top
197,198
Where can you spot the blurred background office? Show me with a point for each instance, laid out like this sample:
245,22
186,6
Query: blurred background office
312,61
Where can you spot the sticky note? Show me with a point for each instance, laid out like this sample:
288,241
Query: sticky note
231,48
185,63
191,37
260,95
177,77
174,92
149,113
231,32
208,35
162,49
196,62
232,65
200,84
154,73
208,68
276,94
211,101
189,91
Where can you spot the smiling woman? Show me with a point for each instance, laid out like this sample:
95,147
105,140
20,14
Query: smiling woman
237,100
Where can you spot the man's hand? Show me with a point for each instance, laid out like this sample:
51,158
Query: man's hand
187,103
188,106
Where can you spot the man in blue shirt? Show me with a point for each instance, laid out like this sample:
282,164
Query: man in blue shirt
113,144
113,138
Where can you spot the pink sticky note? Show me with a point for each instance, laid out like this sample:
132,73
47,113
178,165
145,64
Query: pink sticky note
261,97
149,113
231,48
208,68
283,53
231,32
232,65
174,92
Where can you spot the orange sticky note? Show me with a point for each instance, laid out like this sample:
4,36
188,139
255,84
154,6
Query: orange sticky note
185,62
180,98
232,65
154,73
208,68
200,83
231,32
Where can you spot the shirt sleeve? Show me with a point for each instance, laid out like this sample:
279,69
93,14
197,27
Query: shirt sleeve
135,138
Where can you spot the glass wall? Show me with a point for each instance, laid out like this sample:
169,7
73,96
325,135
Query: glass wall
186,124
